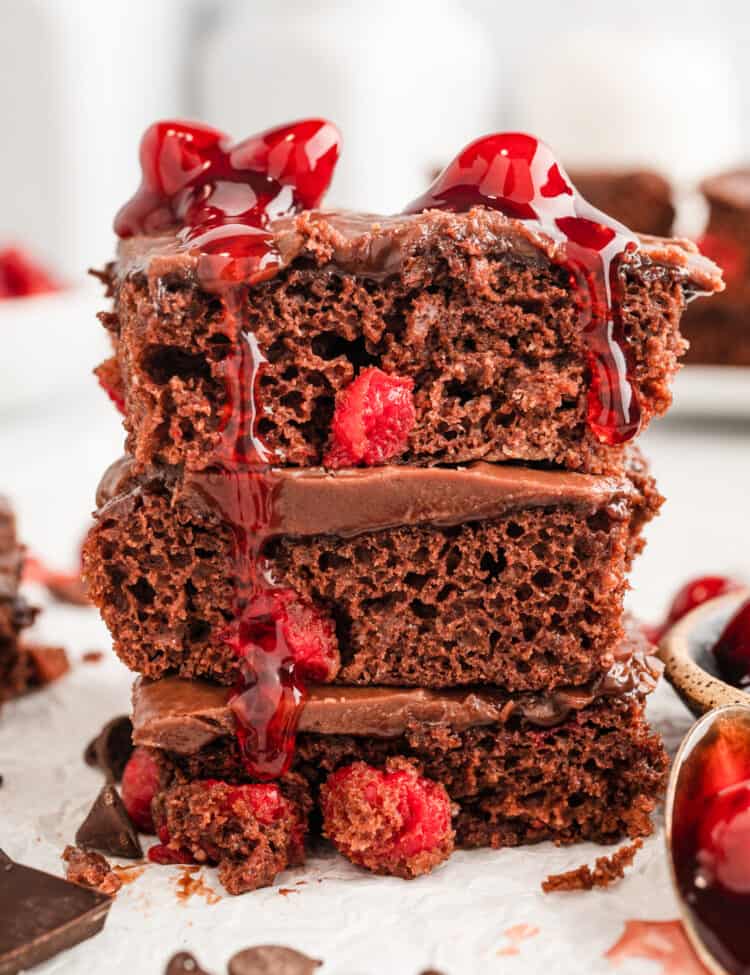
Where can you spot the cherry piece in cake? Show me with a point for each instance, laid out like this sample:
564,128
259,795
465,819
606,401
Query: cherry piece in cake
140,781
372,421
391,822
282,641
252,832
732,649
221,196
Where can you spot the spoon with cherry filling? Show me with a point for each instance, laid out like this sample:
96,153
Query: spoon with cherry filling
708,837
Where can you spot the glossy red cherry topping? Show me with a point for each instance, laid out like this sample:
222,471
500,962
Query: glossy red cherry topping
711,839
372,421
221,197
21,277
732,649
520,176
140,783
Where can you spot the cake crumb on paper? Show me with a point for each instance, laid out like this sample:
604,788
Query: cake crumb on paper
607,871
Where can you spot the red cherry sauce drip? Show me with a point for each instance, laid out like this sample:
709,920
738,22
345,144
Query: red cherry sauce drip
221,199
519,175
711,840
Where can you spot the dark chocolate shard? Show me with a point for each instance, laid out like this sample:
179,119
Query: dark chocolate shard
183,963
108,827
271,960
111,748
43,915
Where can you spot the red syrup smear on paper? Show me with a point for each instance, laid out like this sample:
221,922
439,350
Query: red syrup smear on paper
711,840
221,198
519,175
663,942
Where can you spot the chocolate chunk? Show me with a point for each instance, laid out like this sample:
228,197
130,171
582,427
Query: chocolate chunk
111,748
43,915
271,960
108,827
183,963
45,664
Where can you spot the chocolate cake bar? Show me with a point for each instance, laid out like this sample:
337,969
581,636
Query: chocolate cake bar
639,198
474,308
369,546
520,768
720,334
430,576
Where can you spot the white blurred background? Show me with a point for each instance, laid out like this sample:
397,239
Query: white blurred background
663,84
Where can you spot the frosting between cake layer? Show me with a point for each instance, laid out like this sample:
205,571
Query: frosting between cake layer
183,716
349,502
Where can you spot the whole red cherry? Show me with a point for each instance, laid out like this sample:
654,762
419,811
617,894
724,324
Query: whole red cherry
693,594
724,839
732,649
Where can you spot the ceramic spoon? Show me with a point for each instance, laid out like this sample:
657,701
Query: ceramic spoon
708,837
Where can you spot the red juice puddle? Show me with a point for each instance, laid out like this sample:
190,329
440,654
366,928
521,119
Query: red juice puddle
710,842
221,198
519,176
515,936
663,942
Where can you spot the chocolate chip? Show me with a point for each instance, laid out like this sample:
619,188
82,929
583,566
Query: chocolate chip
183,963
271,960
108,827
43,915
111,748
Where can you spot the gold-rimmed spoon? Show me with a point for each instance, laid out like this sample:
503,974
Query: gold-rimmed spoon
708,837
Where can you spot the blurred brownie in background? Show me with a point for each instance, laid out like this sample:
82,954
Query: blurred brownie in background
639,198
14,612
720,335
22,665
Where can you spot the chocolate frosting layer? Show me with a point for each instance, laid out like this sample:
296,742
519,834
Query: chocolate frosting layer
348,502
184,716
375,247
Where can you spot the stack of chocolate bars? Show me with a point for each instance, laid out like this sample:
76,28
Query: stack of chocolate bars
369,544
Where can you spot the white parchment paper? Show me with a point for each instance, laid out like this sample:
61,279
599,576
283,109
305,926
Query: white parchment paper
454,920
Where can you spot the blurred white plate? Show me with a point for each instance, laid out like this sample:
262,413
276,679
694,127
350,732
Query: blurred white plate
710,391
50,345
